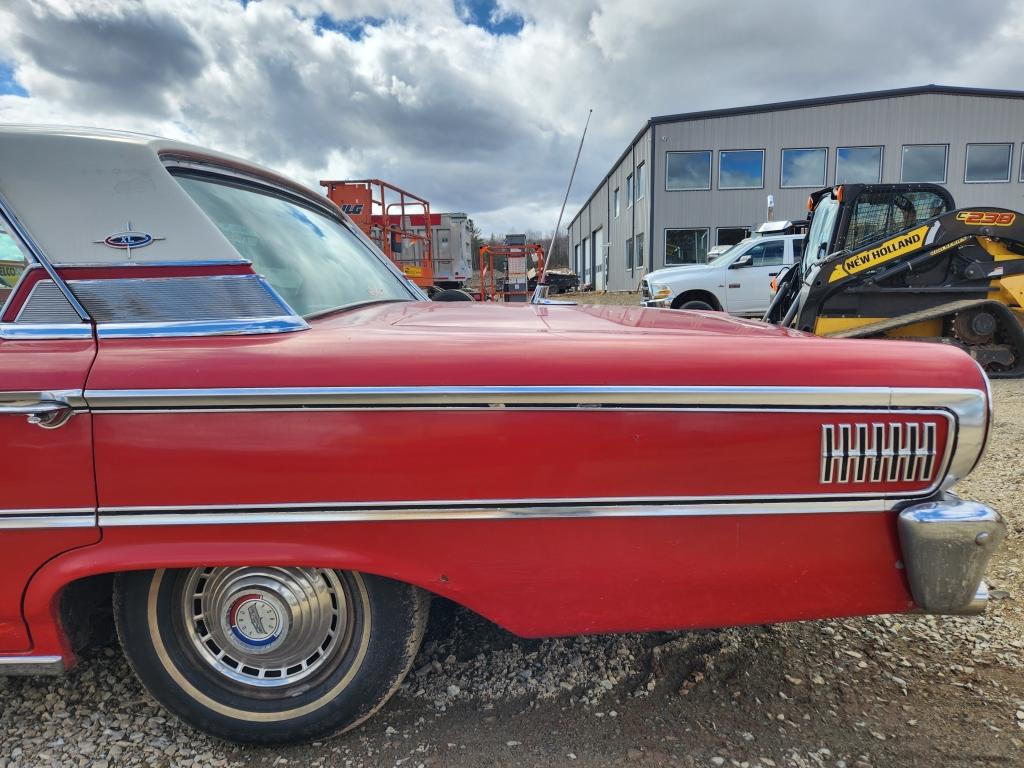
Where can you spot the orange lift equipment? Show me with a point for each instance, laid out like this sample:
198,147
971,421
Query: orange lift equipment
516,284
398,222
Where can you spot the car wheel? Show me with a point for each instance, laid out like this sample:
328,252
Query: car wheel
265,654
696,305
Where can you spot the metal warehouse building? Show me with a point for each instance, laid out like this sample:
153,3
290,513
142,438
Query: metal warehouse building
690,181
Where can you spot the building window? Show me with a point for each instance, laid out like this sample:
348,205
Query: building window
987,162
686,246
741,169
615,201
858,165
629,191
924,162
639,249
629,254
731,235
803,167
687,170
576,258
640,187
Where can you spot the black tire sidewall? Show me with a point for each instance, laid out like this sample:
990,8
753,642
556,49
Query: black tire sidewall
377,660
698,305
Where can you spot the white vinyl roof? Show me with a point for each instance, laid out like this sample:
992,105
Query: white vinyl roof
71,188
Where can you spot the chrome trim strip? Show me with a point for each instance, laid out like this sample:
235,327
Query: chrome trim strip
456,505
36,520
31,665
802,397
120,264
72,397
389,513
37,254
44,331
969,407
48,511
239,327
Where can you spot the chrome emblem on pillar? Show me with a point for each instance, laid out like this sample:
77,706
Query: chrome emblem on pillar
877,453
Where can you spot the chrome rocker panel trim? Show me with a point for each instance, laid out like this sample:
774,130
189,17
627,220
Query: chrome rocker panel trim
32,665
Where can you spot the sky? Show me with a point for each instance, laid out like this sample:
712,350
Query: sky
476,105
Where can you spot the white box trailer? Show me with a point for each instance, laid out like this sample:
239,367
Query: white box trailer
452,237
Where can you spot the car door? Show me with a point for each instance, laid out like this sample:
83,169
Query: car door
748,279
48,496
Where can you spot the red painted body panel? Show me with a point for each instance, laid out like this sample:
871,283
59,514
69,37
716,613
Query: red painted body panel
44,469
268,457
533,576
412,344
555,576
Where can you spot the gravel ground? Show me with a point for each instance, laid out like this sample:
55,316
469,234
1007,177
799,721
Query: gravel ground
881,691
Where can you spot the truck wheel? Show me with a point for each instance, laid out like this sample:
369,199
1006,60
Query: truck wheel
265,654
696,305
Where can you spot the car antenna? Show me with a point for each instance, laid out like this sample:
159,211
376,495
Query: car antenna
539,291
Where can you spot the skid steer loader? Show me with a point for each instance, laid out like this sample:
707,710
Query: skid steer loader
900,261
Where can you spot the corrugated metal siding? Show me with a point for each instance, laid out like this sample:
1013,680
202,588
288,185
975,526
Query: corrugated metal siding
891,122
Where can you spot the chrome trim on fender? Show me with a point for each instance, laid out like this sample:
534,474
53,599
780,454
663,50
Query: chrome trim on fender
801,397
31,665
403,511
968,406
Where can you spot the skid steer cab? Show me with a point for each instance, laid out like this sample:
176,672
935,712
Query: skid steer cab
901,261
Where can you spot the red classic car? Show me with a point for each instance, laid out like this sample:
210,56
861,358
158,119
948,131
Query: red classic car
225,414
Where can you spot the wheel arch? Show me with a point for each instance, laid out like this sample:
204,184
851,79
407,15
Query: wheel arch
48,620
697,294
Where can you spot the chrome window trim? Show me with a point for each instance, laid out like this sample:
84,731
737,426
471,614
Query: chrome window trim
183,328
396,512
45,331
21,233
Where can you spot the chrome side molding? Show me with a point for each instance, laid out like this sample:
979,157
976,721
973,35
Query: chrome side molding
947,544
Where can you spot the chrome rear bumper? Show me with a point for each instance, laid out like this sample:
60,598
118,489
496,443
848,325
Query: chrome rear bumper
947,544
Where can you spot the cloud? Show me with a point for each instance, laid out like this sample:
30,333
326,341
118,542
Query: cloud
475,104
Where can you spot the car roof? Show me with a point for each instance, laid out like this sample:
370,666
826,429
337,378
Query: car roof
72,187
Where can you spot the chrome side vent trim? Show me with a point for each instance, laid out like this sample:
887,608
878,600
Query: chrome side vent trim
47,304
858,453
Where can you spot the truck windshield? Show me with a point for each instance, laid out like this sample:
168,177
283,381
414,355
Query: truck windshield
822,224
310,258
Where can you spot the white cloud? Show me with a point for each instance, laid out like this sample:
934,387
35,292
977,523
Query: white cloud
473,121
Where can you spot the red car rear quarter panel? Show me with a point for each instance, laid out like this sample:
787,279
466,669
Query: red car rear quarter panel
535,576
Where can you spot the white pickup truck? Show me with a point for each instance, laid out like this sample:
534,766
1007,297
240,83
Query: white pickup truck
737,281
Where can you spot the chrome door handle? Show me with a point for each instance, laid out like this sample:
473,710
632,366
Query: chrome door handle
48,414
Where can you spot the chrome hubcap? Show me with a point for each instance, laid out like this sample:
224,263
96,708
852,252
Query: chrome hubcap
266,627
